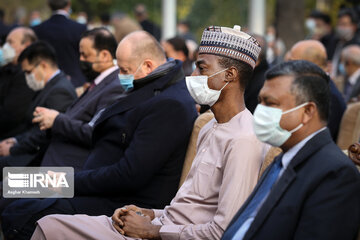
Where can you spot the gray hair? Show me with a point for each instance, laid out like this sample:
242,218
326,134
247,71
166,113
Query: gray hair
352,53
310,84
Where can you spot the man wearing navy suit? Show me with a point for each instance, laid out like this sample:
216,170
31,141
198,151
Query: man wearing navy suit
139,143
350,58
69,133
52,90
64,35
312,191
15,95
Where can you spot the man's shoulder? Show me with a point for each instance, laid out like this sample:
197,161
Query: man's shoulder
328,159
60,83
59,20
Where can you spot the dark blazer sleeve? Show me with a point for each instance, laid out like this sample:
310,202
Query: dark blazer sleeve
30,142
11,112
75,130
324,215
155,138
60,99
79,131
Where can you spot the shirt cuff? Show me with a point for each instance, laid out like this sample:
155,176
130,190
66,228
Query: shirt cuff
170,231
158,212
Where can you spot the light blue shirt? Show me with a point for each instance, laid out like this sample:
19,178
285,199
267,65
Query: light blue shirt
54,75
286,159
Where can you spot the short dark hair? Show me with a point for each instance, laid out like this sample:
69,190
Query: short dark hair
320,15
2,14
262,42
103,39
105,17
245,70
310,84
58,4
179,44
37,52
350,13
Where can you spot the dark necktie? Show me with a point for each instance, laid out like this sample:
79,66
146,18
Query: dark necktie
92,85
259,196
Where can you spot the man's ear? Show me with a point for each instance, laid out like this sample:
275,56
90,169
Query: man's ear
105,55
231,74
148,66
310,112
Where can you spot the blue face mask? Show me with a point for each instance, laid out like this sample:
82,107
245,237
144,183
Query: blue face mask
2,60
35,22
126,81
342,69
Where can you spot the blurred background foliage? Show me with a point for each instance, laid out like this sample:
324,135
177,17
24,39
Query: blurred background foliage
200,13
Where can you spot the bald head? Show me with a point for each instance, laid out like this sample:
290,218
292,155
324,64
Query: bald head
136,49
19,39
310,50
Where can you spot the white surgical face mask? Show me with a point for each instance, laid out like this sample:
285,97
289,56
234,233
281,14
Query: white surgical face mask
344,33
267,124
7,54
81,20
200,91
310,24
33,83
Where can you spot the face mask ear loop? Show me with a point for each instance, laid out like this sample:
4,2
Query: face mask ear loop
217,72
297,128
295,108
224,86
138,68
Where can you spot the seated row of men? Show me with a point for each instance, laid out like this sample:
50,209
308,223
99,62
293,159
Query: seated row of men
127,143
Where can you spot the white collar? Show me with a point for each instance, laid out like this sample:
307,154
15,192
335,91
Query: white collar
104,74
289,155
353,78
62,12
54,74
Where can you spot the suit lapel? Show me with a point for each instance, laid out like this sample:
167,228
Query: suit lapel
86,95
289,175
248,200
128,102
356,89
134,98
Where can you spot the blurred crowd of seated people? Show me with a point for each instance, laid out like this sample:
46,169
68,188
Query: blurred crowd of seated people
232,136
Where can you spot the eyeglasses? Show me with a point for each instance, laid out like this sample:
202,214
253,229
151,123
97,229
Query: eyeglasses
30,71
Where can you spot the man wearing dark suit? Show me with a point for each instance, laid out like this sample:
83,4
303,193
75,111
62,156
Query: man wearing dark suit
70,141
147,25
346,28
4,28
258,78
350,58
64,35
315,52
53,90
15,95
312,190
139,142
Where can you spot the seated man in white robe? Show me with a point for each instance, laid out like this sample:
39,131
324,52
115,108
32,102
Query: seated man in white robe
224,171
